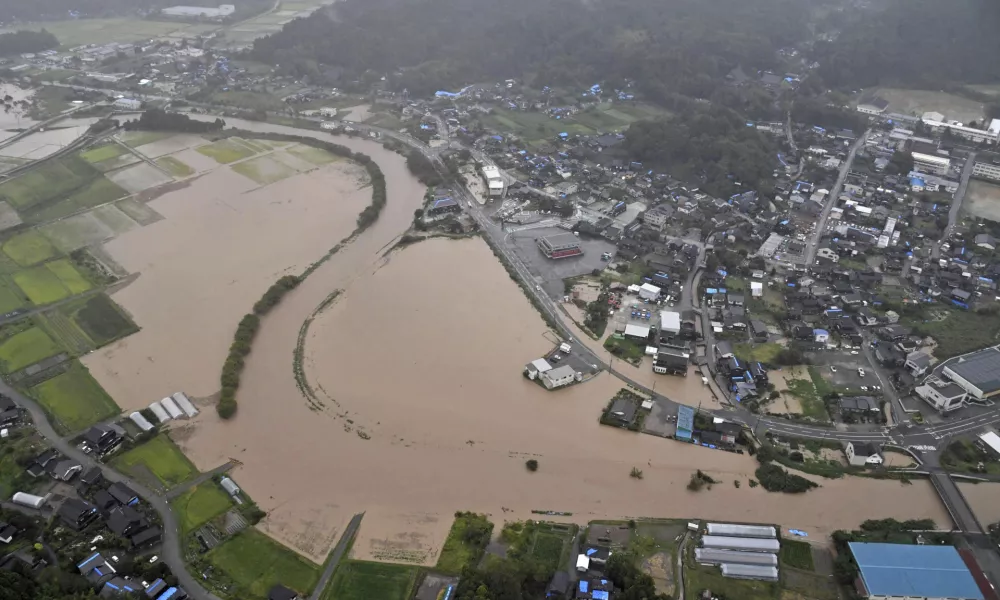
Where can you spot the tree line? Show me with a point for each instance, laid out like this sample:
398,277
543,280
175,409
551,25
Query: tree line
157,119
20,42
668,46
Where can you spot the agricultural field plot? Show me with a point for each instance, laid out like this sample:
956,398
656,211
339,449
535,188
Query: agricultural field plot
158,457
139,212
982,200
117,220
917,102
100,319
256,563
75,400
29,248
8,216
67,274
41,285
26,348
797,554
201,504
174,166
703,577
10,296
316,156
226,151
961,331
359,580
66,333
77,32
53,180
116,163
530,125
765,353
76,232
263,170
601,120
139,177
141,138
103,153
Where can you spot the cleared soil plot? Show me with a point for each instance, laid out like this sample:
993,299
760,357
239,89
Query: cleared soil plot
139,212
139,177
8,216
226,151
117,163
316,156
29,248
77,231
159,457
917,102
103,153
357,580
201,504
263,170
26,348
174,166
256,564
982,199
412,538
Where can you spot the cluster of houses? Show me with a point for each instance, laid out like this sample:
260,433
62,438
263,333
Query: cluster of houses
104,577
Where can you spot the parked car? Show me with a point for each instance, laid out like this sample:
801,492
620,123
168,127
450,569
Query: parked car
861,372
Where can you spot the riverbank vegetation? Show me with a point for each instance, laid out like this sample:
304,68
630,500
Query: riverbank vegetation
465,543
157,119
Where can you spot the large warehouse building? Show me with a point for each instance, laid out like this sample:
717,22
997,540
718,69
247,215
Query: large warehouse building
977,373
890,571
562,245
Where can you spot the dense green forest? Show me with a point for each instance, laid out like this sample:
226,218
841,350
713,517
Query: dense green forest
919,43
668,46
710,145
40,10
18,42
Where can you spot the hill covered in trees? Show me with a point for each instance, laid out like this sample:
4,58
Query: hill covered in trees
919,43
18,42
668,46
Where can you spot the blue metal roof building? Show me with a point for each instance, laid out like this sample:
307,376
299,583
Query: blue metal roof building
685,423
909,571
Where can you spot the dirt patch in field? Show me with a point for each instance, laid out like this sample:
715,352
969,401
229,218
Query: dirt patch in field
411,538
659,567
917,102
139,177
982,199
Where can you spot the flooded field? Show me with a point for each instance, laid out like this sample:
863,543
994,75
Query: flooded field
982,498
420,409
44,143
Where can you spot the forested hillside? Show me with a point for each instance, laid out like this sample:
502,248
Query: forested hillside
41,10
668,46
919,43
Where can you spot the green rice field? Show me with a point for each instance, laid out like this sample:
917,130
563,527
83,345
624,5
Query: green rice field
29,248
26,348
100,318
160,457
51,282
69,276
360,580
75,400
201,504
101,153
175,167
256,563
226,151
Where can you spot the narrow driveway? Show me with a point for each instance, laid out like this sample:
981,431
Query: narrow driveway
956,204
336,555
831,200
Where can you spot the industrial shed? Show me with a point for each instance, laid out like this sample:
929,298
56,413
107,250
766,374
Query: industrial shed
750,572
709,556
185,404
160,412
141,421
721,542
751,531
171,407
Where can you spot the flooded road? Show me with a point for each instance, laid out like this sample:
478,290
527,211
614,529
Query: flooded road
417,365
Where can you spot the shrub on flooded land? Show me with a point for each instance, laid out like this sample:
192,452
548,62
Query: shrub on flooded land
776,479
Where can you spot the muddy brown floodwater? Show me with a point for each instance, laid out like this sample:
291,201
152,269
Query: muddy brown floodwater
417,366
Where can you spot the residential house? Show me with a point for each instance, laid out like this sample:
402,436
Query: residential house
156,588
594,588
893,333
104,501
96,570
890,356
9,412
985,240
724,349
76,513
917,363
622,412
102,439
865,317
118,587
558,377
559,586
146,537
91,477
63,469
758,329
863,454
735,318
39,466
123,494
125,521
728,431
735,299
820,336
862,405
7,532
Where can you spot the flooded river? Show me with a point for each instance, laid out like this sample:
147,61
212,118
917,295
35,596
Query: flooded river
417,366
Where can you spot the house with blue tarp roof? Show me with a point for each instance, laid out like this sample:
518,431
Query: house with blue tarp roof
913,571
594,589
685,423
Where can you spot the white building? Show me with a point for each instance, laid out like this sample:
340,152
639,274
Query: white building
862,454
670,321
944,396
637,331
537,367
159,412
185,404
128,104
494,182
649,291
558,377
929,163
874,106
141,421
222,11
230,486
969,133
978,373
756,289
987,167
171,407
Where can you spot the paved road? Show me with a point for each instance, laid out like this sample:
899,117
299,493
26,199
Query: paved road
336,555
956,204
831,200
954,501
171,552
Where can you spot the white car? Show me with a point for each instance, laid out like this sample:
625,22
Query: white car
154,559
833,369
861,372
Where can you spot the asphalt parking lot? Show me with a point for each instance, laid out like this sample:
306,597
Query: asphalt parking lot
846,365
552,272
